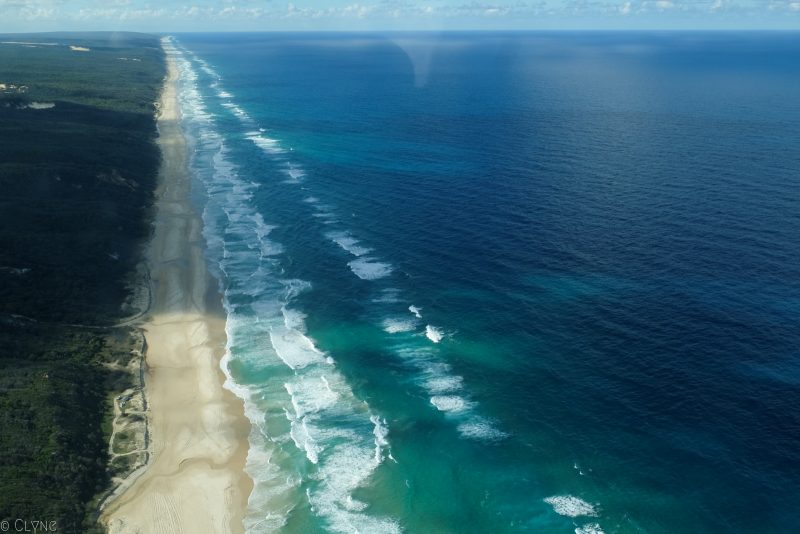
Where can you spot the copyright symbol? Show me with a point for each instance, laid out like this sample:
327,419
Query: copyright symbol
4,525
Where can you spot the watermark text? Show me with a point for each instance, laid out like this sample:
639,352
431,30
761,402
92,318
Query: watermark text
28,525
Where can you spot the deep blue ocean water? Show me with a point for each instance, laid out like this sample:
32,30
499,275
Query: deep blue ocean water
483,282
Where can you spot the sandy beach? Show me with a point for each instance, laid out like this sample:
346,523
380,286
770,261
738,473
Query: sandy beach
195,479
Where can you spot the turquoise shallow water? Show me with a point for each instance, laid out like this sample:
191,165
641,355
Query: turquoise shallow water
507,282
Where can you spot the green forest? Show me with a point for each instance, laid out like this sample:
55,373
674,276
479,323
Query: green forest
78,170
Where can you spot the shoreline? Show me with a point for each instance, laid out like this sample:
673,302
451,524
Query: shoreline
194,480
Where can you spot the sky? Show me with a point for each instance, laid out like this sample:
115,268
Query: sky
266,15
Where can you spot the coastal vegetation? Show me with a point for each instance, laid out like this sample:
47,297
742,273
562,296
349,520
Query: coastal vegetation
78,168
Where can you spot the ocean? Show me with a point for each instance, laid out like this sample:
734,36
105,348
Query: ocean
506,282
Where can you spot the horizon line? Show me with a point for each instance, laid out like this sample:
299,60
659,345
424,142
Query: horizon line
425,30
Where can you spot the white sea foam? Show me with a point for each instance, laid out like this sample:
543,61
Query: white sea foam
295,349
38,105
450,403
329,217
270,484
416,311
294,319
257,284
437,379
394,325
437,385
322,404
303,440
348,243
388,296
480,428
381,433
571,506
347,468
311,200
270,487
321,417
589,528
268,145
265,246
269,248
295,174
311,394
206,67
423,359
345,458
367,268
434,333
295,287
251,410
262,229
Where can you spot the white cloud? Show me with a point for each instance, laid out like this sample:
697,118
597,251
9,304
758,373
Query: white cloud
166,15
398,9
792,6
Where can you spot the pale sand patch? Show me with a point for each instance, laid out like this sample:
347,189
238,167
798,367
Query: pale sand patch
195,480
